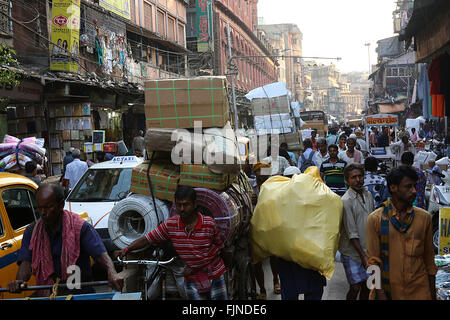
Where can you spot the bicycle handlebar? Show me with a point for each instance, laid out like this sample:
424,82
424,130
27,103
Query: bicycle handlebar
146,262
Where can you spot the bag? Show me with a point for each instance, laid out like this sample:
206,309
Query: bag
305,224
306,163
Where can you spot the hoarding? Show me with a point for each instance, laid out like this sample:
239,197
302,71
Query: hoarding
65,35
204,26
119,7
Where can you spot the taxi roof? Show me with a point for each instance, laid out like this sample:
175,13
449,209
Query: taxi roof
119,162
7,179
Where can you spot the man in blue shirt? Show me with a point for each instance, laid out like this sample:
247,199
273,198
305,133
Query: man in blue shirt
308,157
52,232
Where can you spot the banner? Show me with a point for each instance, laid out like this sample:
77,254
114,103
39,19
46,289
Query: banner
444,231
65,35
381,120
204,26
119,7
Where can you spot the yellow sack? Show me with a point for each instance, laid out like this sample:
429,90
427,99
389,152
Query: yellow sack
298,220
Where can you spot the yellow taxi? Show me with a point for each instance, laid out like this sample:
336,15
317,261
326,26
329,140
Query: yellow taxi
18,209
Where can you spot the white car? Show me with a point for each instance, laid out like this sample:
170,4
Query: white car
99,189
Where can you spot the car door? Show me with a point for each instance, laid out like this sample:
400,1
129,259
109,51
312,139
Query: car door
18,208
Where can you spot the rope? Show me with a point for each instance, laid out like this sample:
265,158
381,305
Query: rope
55,289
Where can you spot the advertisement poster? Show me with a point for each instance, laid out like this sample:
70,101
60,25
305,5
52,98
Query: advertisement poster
444,231
204,26
65,35
119,7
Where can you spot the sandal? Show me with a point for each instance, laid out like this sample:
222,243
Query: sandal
277,288
261,296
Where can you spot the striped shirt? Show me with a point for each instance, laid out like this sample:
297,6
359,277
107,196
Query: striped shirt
334,176
199,249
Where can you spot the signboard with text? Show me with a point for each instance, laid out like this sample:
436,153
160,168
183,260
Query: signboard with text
444,231
119,7
381,120
64,55
204,26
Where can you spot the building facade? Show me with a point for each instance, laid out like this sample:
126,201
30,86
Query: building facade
286,39
93,80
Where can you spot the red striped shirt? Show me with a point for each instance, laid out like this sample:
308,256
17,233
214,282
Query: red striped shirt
199,249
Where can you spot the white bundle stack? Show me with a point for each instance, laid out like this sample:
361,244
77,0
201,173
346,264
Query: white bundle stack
273,124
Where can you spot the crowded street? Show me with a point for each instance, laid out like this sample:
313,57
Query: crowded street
243,151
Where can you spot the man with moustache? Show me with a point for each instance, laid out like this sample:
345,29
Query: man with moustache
197,241
57,241
399,241
358,204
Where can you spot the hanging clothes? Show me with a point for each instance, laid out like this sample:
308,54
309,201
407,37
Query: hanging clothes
423,90
435,76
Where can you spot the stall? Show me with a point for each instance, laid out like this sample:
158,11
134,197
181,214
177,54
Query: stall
381,120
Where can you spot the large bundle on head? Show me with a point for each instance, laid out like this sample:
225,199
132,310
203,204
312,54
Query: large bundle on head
298,220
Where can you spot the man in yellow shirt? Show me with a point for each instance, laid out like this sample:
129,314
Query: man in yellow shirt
399,241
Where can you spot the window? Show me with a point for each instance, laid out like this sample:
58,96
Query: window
102,185
148,16
172,31
161,23
20,205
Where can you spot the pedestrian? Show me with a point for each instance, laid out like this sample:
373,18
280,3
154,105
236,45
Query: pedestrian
332,138
399,241
408,160
196,239
314,140
383,138
358,204
332,171
375,183
404,145
284,148
373,138
414,136
31,172
306,160
262,173
68,158
138,144
74,170
278,163
294,278
322,154
435,173
361,143
342,142
58,240
351,155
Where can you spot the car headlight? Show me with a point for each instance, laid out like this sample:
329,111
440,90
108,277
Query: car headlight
439,198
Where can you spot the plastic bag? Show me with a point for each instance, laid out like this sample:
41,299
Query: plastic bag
298,220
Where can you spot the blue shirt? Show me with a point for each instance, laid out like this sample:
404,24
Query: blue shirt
306,154
90,246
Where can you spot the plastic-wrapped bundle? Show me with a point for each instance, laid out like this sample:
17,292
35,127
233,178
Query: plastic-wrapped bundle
15,153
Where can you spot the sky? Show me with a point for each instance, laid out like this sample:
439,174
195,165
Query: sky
335,28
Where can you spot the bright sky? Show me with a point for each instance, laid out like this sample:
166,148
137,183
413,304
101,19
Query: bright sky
333,28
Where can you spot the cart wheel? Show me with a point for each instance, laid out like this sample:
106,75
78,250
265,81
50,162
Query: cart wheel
246,280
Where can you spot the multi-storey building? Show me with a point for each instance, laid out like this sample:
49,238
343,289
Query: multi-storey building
83,65
287,39
252,60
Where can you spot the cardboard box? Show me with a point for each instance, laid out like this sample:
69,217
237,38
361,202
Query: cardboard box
199,176
425,166
293,140
177,103
164,178
267,106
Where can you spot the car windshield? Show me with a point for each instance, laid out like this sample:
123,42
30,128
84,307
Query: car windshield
102,185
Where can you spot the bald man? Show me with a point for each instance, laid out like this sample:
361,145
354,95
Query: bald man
58,241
